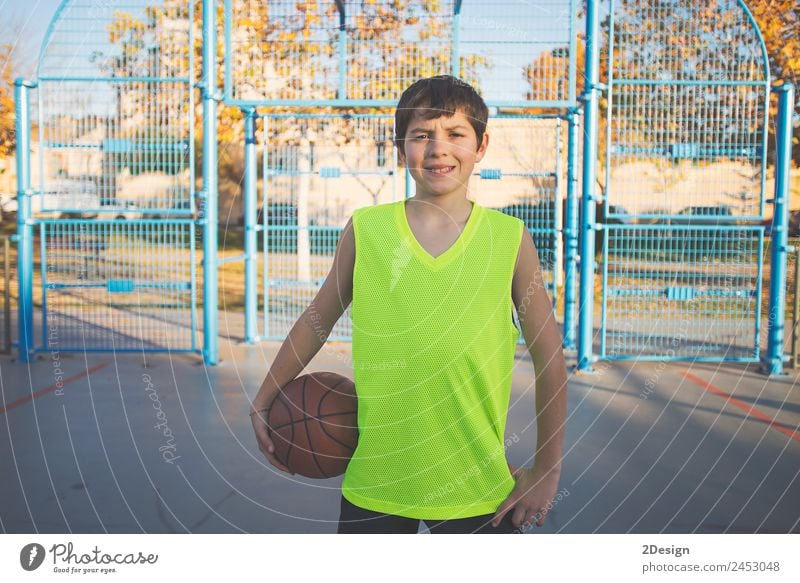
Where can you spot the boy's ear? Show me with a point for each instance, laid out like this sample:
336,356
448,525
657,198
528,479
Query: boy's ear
482,147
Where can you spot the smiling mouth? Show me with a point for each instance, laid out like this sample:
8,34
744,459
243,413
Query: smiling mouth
440,170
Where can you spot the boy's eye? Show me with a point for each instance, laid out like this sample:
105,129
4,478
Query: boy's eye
458,135
420,136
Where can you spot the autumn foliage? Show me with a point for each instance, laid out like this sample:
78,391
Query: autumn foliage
7,141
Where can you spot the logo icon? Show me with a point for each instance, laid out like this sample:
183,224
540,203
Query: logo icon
31,556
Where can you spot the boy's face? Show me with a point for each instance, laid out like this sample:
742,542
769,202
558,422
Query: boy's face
440,153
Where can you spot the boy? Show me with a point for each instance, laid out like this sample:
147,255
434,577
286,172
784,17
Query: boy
434,280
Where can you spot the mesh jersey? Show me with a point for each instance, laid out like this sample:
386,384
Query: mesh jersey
433,354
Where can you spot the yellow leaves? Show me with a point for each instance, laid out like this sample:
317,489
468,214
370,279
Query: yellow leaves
307,8
7,130
287,35
360,22
778,20
123,25
155,15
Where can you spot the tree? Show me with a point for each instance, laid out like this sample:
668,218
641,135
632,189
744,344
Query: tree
7,128
653,40
779,21
699,121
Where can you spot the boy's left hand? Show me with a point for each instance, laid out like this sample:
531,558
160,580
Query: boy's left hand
533,491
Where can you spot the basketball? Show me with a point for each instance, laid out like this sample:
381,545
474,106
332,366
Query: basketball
313,424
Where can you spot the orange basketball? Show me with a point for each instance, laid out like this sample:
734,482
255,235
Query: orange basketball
313,424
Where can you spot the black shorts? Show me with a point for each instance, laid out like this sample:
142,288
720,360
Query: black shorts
356,520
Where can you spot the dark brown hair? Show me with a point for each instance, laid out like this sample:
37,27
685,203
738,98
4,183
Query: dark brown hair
438,96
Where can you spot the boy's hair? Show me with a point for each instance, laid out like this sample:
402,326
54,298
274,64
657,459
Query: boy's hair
437,96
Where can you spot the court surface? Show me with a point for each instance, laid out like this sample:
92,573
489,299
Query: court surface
160,443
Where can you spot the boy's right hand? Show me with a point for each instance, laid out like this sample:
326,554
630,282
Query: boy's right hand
258,416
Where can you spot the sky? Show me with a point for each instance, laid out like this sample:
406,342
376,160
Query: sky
24,23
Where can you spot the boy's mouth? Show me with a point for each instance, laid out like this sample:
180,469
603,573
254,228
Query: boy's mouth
440,170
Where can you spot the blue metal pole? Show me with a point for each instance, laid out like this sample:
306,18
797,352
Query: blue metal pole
455,65
590,98
341,92
208,84
250,210
24,222
571,232
780,231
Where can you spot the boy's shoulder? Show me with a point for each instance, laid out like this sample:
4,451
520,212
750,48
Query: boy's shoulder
374,219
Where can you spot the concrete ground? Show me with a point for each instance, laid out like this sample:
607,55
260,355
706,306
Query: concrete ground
160,443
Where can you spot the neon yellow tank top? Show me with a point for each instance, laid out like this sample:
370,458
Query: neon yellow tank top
433,354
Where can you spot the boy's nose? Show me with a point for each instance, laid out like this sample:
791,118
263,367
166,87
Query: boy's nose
436,146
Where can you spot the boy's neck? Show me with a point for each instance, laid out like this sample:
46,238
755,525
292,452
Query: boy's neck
455,204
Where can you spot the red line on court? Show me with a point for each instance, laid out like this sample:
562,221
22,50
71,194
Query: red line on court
749,409
53,387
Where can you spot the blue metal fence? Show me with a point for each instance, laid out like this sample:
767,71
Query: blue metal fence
681,292
121,286
111,186
683,155
685,165
316,169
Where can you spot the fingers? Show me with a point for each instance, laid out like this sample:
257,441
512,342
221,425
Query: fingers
274,461
519,517
501,511
271,458
265,444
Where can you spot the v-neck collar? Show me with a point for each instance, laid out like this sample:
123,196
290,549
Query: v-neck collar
458,246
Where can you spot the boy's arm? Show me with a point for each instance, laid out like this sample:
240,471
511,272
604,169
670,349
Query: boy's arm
543,340
535,487
307,335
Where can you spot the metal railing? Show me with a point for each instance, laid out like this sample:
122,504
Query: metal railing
796,306
6,346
